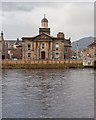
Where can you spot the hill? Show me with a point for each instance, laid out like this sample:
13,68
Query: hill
82,43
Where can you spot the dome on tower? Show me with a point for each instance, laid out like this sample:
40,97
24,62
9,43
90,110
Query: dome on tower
44,20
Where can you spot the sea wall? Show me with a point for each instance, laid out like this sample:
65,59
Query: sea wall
36,64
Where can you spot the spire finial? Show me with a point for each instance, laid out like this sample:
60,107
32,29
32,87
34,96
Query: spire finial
44,15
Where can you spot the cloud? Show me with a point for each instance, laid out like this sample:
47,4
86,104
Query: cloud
23,19
25,6
16,6
49,1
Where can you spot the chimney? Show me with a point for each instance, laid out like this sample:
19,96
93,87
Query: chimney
60,35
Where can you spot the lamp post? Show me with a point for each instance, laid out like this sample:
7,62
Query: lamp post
77,51
95,53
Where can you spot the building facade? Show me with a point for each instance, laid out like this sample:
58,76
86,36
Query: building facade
14,49
90,51
45,46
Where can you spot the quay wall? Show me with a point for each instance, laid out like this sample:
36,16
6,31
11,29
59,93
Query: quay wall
36,64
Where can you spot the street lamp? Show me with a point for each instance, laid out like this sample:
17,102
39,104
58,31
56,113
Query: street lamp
77,51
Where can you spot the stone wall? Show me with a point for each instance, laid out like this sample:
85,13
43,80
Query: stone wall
42,64
60,49
46,47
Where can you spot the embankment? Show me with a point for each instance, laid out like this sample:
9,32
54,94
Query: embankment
40,64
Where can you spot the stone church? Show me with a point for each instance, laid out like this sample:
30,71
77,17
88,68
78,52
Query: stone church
45,46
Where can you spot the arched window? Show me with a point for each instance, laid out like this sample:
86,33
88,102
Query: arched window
57,55
57,46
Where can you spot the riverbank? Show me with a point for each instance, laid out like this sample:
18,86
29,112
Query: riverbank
41,64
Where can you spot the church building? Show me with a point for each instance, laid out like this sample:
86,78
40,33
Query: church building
44,46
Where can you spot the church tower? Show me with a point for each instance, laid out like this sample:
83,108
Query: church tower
2,38
44,26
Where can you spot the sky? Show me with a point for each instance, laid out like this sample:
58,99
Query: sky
74,19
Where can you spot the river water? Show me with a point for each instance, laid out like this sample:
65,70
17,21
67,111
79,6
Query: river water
48,93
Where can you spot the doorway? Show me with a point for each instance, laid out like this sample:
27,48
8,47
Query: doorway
43,55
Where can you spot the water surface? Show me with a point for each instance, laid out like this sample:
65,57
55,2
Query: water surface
48,93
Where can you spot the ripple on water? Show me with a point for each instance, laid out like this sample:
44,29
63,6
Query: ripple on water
48,93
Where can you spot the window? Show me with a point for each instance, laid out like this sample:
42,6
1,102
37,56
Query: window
29,47
57,46
29,55
57,55
42,45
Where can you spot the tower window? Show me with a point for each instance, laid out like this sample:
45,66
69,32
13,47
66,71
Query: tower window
29,55
57,55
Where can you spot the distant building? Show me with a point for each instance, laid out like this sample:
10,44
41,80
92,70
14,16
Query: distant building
3,48
14,49
13,43
45,46
90,51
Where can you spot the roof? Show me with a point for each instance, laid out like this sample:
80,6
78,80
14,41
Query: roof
67,45
38,36
44,20
12,42
45,36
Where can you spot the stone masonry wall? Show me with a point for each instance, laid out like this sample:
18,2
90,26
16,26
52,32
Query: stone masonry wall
41,63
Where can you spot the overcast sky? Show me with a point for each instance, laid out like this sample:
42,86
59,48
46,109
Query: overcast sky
75,19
